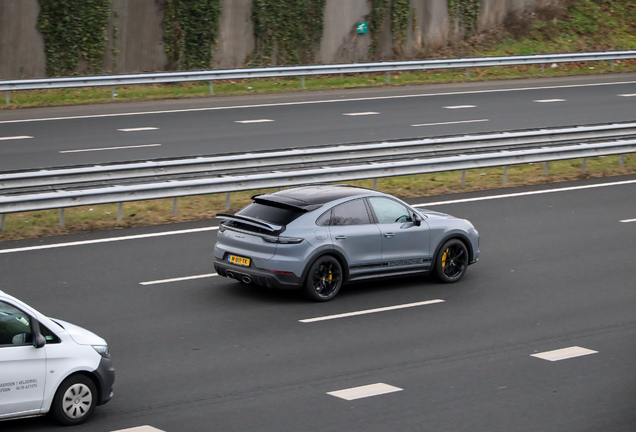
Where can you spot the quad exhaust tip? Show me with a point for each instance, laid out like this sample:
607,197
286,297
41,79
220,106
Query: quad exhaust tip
246,279
230,275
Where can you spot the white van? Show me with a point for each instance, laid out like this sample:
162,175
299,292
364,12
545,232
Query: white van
50,366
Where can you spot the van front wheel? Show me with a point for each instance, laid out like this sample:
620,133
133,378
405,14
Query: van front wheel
74,400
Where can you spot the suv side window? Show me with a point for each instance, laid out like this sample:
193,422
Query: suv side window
350,213
389,211
15,326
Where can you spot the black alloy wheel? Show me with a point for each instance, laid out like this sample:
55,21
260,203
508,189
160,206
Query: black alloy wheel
324,279
452,261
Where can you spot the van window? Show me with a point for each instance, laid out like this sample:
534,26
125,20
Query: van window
15,326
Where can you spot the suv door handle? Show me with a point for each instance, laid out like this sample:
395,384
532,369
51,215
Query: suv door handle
341,237
389,235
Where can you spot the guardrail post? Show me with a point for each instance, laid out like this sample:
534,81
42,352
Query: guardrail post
375,184
612,63
463,178
584,165
467,72
542,67
505,174
620,161
227,201
7,96
388,77
302,81
62,217
174,206
112,92
120,210
3,222
545,168
211,86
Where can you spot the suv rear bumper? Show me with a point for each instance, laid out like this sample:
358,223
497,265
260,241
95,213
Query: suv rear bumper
257,276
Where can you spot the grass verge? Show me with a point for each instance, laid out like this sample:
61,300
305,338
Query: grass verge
155,212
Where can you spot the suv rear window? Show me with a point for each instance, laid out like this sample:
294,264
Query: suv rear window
274,215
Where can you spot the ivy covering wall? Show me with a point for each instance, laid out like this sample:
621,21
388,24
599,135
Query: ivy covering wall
287,31
464,13
73,30
191,29
398,12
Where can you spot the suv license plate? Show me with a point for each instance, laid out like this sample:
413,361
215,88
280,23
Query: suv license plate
239,260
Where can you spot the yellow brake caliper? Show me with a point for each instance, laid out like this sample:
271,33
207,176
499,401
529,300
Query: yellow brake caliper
444,258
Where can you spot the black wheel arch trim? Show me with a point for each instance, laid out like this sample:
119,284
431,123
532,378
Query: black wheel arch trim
451,236
328,251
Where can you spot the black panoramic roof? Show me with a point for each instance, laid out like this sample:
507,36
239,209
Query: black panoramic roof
309,197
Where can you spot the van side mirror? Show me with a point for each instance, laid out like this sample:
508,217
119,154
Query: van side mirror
38,340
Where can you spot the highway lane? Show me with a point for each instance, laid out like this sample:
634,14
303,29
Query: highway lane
212,354
119,132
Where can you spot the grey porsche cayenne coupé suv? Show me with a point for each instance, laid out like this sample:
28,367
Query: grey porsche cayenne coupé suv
319,237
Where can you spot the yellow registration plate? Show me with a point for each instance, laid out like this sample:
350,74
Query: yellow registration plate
239,260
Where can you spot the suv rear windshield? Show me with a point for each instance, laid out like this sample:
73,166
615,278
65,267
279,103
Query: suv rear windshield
271,214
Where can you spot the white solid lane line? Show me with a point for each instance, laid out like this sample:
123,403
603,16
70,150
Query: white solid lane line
361,113
513,195
254,121
15,137
628,95
140,429
109,148
370,311
139,129
107,240
364,391
460,106
628,220
312,102
564,353
178,279
549,100
451,122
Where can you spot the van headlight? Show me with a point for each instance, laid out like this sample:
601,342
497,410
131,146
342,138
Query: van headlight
102,350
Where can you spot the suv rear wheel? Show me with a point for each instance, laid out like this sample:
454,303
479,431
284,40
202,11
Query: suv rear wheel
324,279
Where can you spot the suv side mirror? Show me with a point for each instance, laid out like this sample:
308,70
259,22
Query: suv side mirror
417,219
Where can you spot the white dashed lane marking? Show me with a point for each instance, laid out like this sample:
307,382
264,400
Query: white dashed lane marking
370,311
460,106
178,279
361,113
564,353
628,220
628,95
140,429
254,121
139,129
451,122
549,100
364,391
15,137
110,148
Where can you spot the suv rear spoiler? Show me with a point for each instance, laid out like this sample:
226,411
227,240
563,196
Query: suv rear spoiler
250,221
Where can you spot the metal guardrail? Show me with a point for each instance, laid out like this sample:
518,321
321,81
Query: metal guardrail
176,169
302,71
238,182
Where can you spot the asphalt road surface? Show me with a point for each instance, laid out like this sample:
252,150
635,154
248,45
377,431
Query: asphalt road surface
209,354
36,138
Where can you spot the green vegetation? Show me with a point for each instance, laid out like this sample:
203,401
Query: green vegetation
191,31
287,31
73,30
